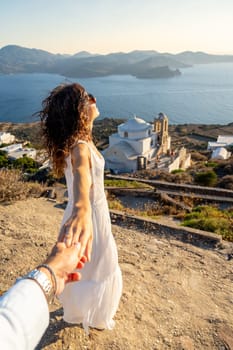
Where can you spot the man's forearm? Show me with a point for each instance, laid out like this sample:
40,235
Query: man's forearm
24,316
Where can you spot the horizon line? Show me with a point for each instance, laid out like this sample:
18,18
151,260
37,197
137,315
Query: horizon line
120,51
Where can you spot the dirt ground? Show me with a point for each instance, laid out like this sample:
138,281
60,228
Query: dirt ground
175,295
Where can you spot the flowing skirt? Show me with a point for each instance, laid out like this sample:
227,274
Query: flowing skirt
94,300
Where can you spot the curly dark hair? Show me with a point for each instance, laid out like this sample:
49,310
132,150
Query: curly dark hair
64,120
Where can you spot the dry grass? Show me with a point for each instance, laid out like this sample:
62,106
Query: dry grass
13,187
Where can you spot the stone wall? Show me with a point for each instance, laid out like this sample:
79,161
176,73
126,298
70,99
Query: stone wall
185,234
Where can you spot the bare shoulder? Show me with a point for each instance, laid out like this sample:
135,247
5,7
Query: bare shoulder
80,153
80,149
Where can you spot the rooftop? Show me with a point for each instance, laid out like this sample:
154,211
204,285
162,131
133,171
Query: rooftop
135,124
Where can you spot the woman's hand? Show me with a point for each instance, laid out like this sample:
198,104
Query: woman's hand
78,228
63,262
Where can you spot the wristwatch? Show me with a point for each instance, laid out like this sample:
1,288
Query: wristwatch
40,278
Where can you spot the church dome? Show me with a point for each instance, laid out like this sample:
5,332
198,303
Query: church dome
135,124
162,116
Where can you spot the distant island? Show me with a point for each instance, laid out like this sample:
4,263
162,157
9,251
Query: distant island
148,64
158,73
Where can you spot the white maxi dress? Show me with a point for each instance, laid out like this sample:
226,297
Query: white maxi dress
94,300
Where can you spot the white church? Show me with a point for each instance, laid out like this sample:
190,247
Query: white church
137,144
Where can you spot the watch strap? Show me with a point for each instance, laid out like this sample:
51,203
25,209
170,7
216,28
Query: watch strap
43,281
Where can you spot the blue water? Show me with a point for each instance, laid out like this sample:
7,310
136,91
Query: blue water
202,94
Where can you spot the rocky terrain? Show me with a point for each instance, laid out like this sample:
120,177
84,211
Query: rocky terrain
175,296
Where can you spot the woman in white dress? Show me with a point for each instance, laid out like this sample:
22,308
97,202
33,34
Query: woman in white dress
67,118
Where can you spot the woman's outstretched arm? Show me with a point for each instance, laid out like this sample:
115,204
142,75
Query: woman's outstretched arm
78,228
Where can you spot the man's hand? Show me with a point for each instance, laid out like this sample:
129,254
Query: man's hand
64,260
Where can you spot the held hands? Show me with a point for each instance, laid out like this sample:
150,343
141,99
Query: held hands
64,261
78,229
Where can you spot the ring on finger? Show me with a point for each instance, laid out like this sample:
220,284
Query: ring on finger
77,244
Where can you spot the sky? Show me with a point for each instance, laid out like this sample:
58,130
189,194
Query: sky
105,26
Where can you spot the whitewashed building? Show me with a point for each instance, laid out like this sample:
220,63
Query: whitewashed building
6,137
140,145
17,150
218,147
220,153
134,145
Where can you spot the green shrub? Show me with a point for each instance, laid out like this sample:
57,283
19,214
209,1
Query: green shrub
211,164
26,164
211,219
177,171
124,183
207,224
3,161
208,178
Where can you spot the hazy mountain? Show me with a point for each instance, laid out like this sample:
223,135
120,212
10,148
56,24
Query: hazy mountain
199,57
137,63
142,64
16,59
83,54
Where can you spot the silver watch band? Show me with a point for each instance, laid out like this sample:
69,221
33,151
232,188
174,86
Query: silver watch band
41,278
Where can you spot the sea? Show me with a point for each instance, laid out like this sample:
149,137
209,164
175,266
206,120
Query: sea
203,94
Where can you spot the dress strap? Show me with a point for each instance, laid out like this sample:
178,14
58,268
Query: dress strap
85,143
91,148
81,141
